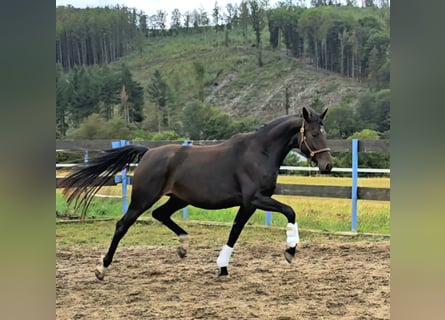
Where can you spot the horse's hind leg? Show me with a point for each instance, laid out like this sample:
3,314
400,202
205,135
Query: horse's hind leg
135,209
164,213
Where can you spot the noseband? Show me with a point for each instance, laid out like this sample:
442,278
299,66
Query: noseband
303,140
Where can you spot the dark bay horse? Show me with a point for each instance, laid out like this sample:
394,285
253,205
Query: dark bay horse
241,171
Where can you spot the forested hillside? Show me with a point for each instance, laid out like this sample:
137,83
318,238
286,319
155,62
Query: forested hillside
123,74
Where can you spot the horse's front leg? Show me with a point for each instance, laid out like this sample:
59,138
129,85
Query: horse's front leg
292,239
269,204
241,218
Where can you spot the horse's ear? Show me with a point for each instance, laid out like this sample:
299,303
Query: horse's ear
324,114
306,114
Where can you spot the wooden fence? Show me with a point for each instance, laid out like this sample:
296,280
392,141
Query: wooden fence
354,192
336,145
364,193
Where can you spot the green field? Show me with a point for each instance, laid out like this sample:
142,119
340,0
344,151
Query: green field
324,214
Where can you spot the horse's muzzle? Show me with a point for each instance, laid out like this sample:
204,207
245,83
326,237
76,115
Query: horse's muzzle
326,168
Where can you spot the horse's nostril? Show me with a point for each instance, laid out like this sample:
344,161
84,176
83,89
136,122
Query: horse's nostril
328,167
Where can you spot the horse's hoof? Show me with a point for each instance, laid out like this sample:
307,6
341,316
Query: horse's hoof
99,275
100,272
289,254
182,252
223,272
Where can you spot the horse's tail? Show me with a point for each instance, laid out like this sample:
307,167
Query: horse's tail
81,185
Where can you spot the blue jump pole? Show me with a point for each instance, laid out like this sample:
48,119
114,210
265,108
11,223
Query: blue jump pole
354,184
123,178
184,210
85,157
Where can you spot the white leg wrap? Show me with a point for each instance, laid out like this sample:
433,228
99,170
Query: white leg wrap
102,270
292,234
184,239
224,256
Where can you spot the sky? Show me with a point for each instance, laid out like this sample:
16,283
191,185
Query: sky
150,7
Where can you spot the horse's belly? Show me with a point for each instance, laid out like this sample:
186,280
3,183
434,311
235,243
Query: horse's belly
213,205
206,189
207,200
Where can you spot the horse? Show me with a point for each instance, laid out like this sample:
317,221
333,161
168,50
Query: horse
239,172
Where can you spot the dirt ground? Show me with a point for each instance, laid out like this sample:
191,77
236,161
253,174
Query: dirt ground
327,280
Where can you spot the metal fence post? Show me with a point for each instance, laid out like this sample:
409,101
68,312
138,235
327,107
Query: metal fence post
184,210
268,218
123,178
354,184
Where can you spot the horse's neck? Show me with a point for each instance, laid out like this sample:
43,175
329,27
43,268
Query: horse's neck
277,140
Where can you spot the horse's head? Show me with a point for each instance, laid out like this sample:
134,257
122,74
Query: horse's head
312,140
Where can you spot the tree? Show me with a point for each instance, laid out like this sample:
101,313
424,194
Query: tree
216,15
369,3
208,123
365,134
244,19
82,94
95,127
257,20
176,20
135,94
143,23
94,35
373,111
199,69
351,3
341,121
370,159
85,91
310,23
319,3
293,37
61,102
383,110
124,103
205,21
229,15
354,54
286,99
193,120
196,20
158,94
274,30
187,20
161,19
373,69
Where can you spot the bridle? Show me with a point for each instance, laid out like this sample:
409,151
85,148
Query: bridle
303,140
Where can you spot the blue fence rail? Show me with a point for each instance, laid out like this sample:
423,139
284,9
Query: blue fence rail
354,192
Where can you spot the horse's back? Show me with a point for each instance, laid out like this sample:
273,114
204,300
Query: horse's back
154,165
193,173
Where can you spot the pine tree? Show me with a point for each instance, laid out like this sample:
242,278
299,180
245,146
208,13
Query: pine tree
158,94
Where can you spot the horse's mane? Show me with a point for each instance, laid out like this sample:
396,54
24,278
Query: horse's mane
266,127
276,122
